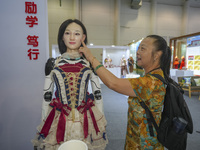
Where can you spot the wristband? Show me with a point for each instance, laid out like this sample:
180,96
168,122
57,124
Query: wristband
99,66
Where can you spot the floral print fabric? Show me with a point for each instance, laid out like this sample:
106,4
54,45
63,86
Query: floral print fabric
152,91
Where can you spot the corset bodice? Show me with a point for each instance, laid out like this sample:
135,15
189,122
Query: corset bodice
71,82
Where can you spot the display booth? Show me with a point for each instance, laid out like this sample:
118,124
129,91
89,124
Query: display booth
175,73
115,54
191,52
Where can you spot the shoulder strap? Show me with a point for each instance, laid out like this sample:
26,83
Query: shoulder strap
150,118
160,78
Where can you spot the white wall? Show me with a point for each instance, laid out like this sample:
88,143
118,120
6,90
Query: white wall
99,19
21,79
135,24
194,20
56,15
169,20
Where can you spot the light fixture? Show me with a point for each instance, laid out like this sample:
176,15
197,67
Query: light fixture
91,44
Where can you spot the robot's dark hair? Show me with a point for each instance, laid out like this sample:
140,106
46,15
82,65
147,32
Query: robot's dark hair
61,45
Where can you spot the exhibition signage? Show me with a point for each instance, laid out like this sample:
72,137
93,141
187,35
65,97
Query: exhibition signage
31,21
193,54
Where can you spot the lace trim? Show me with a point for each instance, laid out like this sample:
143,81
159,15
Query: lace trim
74,55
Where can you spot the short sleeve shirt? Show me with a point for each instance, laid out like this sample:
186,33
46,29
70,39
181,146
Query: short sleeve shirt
152,91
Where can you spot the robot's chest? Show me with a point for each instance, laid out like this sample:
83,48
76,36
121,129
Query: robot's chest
73,74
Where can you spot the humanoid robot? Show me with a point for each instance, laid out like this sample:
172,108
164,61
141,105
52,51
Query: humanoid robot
69,111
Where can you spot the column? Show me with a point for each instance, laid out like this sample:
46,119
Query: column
153,16
77,9
186,9
117,22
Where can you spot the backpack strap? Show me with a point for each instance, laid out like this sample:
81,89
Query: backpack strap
150,118
160,78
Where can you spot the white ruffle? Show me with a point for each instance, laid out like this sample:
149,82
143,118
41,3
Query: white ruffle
74,130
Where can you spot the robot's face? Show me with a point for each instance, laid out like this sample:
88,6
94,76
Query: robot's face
73,36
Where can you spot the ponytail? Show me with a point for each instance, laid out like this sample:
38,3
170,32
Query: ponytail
165,59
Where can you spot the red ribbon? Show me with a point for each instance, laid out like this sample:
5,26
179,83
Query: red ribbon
83,109
65,110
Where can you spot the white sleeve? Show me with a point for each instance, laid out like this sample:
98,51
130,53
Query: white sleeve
47,95
96,90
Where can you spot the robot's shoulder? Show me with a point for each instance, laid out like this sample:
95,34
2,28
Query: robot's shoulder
49,66
85,62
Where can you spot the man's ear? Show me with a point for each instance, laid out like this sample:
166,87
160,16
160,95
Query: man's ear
157,55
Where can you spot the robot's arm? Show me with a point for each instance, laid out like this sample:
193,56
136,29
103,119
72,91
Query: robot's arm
48,87
96,89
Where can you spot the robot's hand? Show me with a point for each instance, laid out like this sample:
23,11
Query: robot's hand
49,66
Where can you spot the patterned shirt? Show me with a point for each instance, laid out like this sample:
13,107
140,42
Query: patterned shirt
152,91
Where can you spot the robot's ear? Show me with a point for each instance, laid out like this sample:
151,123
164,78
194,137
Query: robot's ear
49,66
83,38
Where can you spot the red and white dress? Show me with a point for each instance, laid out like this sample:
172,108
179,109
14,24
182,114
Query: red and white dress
73,113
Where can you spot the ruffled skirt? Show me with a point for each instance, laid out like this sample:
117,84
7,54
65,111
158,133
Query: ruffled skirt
74,130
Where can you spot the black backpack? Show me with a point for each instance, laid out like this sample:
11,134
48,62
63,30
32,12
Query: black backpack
175,108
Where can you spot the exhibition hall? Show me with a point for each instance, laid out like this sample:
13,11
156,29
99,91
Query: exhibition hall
100,75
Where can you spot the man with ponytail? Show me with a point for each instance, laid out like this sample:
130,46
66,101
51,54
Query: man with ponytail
154,56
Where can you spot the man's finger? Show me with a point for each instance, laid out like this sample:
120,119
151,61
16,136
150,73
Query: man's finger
83,43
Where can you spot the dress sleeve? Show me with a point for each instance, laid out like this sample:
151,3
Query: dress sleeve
96,90
48,87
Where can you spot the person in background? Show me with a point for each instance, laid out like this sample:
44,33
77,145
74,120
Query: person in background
72,113
154,56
